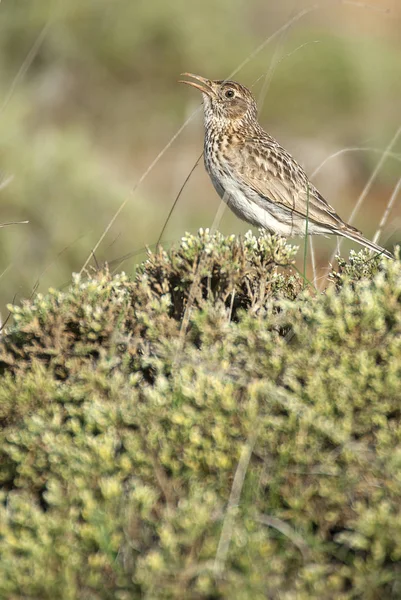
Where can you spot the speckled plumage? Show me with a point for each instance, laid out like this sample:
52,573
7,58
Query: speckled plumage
259,180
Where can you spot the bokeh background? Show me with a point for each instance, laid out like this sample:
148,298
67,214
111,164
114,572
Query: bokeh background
89,97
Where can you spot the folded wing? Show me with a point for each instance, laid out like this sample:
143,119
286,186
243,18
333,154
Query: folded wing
274,175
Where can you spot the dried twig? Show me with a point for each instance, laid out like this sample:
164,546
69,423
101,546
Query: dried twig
288,531
387,211
13,223
236,489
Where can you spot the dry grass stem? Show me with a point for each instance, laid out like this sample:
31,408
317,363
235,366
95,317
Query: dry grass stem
140,181
389,206
233,502
368,185
288,531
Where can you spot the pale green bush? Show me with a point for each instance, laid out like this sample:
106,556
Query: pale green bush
129,407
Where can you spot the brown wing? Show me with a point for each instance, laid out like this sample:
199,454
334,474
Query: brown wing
262,164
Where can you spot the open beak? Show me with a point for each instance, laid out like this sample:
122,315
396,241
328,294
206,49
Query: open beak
204,85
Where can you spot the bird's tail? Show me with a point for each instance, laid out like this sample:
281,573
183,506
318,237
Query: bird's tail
355,236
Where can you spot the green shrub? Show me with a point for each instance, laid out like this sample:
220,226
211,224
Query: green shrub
209,429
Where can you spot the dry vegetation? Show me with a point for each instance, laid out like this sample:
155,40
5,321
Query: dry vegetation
125,441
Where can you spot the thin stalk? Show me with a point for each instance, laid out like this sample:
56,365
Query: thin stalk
141,179
177,198
313,259
387,211
369,184
306,233
306,280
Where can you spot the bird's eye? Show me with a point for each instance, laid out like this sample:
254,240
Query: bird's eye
229,94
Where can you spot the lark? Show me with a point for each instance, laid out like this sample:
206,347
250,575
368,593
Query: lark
259,180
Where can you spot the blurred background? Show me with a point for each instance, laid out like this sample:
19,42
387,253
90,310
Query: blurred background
89,97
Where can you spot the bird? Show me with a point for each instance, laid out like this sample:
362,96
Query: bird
257,178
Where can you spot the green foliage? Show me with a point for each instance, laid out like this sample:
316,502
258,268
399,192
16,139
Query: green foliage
361,265
128,408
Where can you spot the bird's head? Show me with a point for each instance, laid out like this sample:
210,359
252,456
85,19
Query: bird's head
224,102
